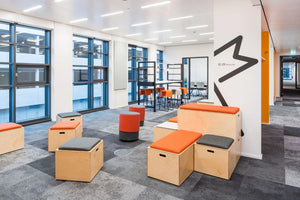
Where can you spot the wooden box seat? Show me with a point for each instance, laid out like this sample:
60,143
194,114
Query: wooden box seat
164,129
11,137
70,116
170,159
61,132
210,119
79,159
216,155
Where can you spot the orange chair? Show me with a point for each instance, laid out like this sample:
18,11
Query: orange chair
145,93
184,93
166,94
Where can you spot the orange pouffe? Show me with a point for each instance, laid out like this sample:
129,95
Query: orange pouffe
140,109
129,126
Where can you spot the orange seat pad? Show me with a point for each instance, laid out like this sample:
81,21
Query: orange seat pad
174,119
211,108
65,125
177,141
9,126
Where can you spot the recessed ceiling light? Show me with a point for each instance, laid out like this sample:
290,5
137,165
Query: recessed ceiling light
57,1
189,40
134,34
32,8
178,36
78,20
209,33
141,24
151,39
165,43
110,29
156,4
162,31
113,13
180,18
195,27
211,38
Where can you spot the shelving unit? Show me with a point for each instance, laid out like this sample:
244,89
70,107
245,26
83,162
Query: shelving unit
147,79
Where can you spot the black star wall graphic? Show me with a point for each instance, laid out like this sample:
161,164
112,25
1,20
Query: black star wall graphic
249,63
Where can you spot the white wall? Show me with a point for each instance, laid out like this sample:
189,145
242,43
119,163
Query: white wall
231,19
271,73
61,59
174,55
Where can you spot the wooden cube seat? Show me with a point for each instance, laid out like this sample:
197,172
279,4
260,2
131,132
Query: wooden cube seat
164,129
216,155
170,159
210,119
11,137
70,116
129,126
79,159
174,120
61,132
140,109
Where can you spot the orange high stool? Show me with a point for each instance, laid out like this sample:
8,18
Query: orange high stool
184,92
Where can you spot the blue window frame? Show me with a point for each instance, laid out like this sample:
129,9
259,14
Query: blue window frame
160,65
24,73
90,73
135,55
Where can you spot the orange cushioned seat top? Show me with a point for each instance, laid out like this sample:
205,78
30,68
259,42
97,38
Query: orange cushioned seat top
211,108
9,126
177,141
174,119
65,125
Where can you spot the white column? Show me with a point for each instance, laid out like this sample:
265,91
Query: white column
61,69
236,22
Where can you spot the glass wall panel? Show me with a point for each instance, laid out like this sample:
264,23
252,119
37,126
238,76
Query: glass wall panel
4,106
4,74
30,75
80,97
98,95
30,103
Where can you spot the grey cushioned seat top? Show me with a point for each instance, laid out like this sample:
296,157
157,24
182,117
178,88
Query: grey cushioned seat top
129,113
69,114
137,106
80,144
215,141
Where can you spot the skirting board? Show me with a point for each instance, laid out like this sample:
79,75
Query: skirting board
255,156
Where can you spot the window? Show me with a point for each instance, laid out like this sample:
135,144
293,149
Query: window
24,73
160,65
90,73
135,55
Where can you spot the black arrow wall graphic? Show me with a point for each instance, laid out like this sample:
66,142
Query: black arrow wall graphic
250,61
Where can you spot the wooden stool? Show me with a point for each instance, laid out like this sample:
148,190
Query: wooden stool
79,159
170,159
210,119
70,116
11,137
61,132
216,155
140,109
129,126
164,129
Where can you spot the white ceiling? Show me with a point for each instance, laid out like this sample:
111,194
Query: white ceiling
284,21
68,10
